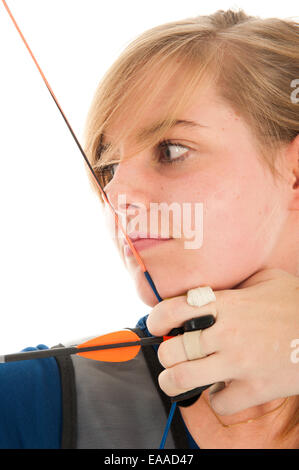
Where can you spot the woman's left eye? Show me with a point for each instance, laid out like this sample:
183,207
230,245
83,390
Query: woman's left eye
171,152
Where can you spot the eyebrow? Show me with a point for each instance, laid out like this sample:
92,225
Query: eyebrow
146,132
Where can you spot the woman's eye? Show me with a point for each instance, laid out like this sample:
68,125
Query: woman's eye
113,168
171,152
107,172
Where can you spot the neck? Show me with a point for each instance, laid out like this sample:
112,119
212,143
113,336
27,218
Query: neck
285,254
261,431
251,414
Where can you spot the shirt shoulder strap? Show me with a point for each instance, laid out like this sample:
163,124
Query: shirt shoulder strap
69,399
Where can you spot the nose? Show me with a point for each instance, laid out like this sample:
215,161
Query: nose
130,186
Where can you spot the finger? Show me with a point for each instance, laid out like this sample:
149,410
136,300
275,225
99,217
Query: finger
188,375
173,351
172,313
235,397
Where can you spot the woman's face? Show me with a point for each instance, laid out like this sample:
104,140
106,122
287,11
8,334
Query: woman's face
217,172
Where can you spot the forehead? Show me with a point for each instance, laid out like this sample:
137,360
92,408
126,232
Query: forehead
205,109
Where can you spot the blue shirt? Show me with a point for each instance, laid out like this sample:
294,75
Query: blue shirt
31,403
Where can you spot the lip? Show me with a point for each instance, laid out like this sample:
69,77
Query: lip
142,242
137,235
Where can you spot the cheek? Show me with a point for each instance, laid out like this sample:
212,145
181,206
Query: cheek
242,211
242,222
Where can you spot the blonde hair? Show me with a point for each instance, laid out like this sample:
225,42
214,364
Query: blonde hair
250,62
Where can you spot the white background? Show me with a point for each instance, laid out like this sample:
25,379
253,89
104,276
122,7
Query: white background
60,275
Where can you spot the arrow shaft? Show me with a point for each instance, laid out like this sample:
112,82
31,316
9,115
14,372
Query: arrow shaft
58,352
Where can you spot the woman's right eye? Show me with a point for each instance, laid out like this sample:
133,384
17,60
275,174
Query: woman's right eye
112,168
107,172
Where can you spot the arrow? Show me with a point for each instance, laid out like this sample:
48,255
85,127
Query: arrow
119,346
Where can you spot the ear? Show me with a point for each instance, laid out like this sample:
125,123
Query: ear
293,157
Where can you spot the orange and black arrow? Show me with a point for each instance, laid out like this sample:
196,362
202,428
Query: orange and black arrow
119,346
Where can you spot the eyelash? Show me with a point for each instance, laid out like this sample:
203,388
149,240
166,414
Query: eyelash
106,171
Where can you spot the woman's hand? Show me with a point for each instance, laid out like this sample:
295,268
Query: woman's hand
251,347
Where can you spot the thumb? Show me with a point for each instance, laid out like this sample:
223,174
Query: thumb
231,399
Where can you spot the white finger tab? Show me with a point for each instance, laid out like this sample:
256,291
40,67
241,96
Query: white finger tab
200,296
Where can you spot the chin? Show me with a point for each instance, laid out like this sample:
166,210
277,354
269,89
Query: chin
165,289
145,292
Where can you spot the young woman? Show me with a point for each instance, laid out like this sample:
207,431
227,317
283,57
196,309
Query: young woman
201,110
197,119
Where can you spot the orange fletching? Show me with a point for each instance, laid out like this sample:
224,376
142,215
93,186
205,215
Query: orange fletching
114,354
